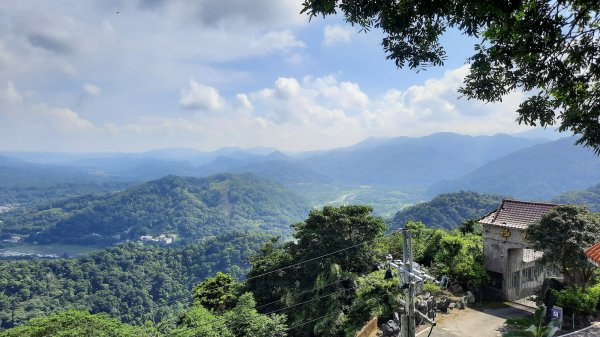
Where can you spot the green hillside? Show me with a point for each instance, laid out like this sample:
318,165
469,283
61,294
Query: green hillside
188,207
536,173
589,197
131,282
447,210
22,182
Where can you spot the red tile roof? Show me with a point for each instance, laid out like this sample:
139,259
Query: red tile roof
517,214
593,254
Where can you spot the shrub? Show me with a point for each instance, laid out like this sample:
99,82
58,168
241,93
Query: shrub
431,288
577,300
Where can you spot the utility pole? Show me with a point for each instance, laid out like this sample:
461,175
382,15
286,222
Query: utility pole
410,282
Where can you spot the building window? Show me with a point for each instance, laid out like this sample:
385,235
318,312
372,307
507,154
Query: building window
528,274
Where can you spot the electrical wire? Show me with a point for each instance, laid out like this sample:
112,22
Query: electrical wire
311,300
278,310
304,292
302,262
329,314
430,330
309,260
292,266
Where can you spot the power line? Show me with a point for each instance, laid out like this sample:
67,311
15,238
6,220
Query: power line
304,292
292,266
327,315
302,262
311,300
278,310
309,260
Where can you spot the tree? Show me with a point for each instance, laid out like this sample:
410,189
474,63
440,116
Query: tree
245,321
461,257
199,321
315,275
217,293
73,323
548,49
563,234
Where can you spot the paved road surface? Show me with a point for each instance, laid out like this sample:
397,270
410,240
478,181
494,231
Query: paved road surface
486,322
593,331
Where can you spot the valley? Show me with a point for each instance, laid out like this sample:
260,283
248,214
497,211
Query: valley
170,219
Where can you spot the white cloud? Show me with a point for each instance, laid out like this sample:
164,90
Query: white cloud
92,89
335,34
199,96
279,40
30,125
10,94
62,119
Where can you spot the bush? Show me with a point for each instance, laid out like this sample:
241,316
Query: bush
595,291
578,300
431,288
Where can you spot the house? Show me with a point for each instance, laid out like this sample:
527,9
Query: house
508,256
593,254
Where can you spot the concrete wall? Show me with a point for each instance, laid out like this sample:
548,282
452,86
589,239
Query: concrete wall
369,330
496,247
504,255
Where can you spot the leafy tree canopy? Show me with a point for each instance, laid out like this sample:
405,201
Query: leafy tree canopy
332,248
74,323
563,234
548,49
217,293
447,210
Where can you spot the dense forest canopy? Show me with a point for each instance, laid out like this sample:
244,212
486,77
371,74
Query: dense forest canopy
447,210
131,282
188,207
589,197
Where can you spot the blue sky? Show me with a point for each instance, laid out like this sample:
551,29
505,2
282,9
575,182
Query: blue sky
78,76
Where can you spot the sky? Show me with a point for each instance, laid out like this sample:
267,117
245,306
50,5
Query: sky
135,75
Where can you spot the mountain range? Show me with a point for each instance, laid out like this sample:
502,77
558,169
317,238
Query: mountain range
385,172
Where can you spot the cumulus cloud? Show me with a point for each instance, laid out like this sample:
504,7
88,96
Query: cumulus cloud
320,112
30,125
279,40
335,34
224,44
92,89
198,96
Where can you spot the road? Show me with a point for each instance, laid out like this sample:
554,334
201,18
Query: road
592,331
342,200
485,322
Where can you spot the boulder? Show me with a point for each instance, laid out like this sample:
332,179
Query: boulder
390,329
470,297
443,304
421,306
456,289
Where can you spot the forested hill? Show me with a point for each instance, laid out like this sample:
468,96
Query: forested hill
22,182
589,197
538,172
447,210
131,282
188,207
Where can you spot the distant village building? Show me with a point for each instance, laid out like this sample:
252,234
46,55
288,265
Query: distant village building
162,238
509,257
